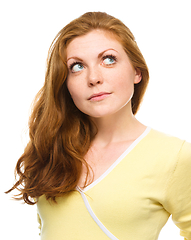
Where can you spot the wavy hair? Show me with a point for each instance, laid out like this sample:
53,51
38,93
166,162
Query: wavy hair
60,134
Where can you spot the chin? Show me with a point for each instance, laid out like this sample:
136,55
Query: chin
101,115
108,110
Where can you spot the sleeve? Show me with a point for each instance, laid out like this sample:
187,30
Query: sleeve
178,192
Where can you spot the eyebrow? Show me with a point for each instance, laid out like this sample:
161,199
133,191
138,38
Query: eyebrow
99,55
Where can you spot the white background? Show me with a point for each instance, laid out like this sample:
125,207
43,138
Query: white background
162,31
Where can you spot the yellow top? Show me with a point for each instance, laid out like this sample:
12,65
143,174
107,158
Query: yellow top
133,199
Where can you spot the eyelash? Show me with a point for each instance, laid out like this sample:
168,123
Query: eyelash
73,64
110,56
103,58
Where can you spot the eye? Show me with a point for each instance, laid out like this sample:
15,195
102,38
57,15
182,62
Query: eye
76,67
109,60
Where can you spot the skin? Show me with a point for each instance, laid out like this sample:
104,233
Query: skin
101,83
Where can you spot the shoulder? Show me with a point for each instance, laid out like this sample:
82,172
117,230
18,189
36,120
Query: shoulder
184,157
170,155
167,143
166,149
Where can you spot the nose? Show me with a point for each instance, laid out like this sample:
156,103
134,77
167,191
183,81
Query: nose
94,76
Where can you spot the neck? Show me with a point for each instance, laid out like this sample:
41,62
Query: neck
119,127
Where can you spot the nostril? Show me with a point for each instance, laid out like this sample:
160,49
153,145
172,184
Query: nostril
93,83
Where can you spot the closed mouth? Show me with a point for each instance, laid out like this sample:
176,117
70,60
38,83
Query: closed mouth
99,96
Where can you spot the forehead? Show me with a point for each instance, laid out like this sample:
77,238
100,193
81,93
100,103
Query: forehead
95,41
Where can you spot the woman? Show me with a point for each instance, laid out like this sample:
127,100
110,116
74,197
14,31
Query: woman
93,169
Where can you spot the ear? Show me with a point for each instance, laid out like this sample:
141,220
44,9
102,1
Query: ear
138,76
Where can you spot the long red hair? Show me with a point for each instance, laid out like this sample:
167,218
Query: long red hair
60,135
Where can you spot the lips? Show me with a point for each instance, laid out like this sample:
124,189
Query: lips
98,96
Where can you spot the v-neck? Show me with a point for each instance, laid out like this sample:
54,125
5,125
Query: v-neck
125,153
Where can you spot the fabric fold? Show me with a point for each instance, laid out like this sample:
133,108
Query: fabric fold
95,218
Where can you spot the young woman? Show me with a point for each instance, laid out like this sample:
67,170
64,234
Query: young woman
93,169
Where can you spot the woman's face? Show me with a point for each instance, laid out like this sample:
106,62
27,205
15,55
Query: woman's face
101,77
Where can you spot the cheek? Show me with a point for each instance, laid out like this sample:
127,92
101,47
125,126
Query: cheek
76,86
76,94
71,88
124,87
124,81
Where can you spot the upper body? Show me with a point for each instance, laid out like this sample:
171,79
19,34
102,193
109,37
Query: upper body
83,129
133,198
